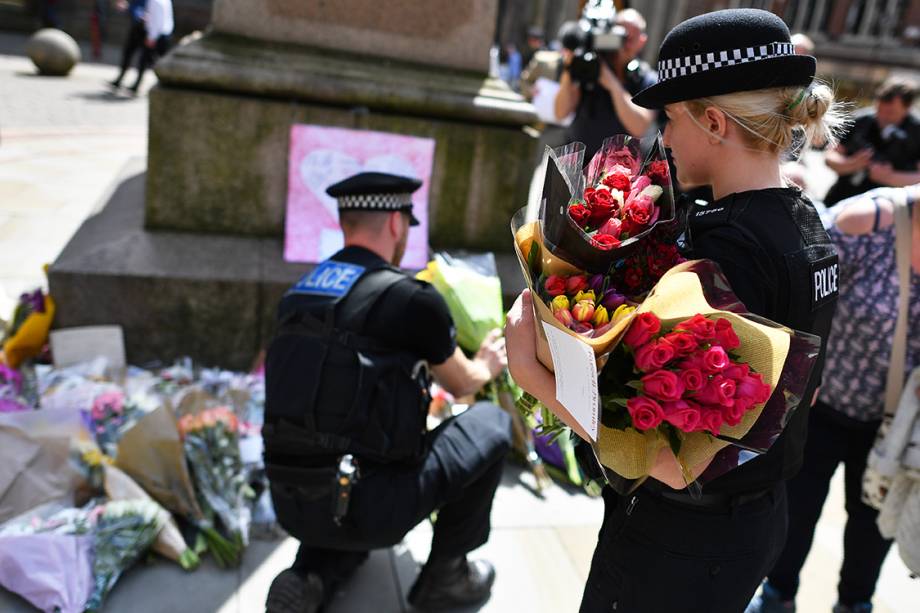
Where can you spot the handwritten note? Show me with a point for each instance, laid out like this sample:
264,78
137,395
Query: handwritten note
576,377
75,345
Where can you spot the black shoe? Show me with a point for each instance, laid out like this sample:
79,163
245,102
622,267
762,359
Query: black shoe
443,584
116,85
291,592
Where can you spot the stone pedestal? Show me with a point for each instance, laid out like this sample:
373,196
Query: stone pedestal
188,257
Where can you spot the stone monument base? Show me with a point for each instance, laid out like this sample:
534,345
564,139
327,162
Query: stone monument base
176,294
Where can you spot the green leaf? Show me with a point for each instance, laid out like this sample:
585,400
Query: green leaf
533,259
636,385
675,439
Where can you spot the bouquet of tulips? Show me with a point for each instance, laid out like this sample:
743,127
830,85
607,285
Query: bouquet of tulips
211,442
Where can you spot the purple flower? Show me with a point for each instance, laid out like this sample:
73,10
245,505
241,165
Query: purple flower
35,301
596,282
12,378
612,299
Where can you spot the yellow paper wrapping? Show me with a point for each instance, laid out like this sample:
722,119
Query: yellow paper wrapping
31,336
677,296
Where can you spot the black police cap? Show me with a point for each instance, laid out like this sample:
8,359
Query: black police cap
723,52
376,191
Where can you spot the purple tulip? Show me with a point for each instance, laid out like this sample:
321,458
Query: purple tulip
596,282
612,299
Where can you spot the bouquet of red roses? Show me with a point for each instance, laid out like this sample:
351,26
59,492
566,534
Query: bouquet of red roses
596,217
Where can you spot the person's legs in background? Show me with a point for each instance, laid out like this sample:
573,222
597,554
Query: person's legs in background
133,42
149,56
864,548
806,493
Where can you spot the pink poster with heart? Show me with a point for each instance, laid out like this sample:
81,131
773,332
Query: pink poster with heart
321,156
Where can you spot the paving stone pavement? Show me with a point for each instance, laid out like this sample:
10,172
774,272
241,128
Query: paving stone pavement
62,144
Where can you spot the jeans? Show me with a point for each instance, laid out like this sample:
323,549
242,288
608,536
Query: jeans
654,554
832,440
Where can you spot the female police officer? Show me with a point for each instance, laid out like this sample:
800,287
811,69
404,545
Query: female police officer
734,92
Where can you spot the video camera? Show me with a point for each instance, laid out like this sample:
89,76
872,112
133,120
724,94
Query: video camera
593,34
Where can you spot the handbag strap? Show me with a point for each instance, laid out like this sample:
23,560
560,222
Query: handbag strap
903,240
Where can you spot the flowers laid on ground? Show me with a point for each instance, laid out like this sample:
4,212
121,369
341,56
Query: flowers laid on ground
623,203
211,442
681,378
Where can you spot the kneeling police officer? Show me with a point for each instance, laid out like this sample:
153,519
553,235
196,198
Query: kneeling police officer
351,465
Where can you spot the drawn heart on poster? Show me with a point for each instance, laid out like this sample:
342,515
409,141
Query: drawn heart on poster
324,167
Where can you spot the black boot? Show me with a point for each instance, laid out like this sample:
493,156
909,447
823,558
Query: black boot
292,592
452,582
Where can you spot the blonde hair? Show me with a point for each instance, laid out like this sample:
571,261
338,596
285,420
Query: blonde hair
769,118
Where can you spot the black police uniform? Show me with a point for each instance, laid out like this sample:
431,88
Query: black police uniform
595,117
898,146
328,397
709,555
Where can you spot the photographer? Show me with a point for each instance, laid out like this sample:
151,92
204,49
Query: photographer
882,149
603,105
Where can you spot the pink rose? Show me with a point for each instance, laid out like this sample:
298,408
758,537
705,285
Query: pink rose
643,326
753,387
733,413
718,390
662,385
715,359
711,420
641,182
736,371
684,343
725,335
645,412
698,326
682,414
653,355
692,379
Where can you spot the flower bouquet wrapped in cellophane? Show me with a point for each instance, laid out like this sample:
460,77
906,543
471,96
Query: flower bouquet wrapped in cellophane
595,217
704,379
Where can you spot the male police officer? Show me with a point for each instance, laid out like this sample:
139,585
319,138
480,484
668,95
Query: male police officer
350,464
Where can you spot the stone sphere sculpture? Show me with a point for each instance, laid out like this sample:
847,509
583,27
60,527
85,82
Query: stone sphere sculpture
54,52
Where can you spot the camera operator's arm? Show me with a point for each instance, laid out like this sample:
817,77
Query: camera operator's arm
883,174
569,93
461,376
634,118
843,164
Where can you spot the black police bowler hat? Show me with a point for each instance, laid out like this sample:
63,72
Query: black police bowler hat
724,52
376,191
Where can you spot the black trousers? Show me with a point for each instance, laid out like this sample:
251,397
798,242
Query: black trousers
832,440
149,56
654,554
458,477
133,43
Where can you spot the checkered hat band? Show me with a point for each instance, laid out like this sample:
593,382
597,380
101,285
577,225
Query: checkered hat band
701,62
376,202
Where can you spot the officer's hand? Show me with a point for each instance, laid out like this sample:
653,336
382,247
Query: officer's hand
859,160
492,353
881,172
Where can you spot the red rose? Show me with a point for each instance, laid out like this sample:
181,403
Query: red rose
698,326
715,359
554,285
692,379
662,385
725,335
603,206
733,414
643,326
753,387
718,391
711,420
682,414
659,172
618,181
604,242
684,343
633,278
645,412
653,355
736,371
579,213
658,266
575,284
